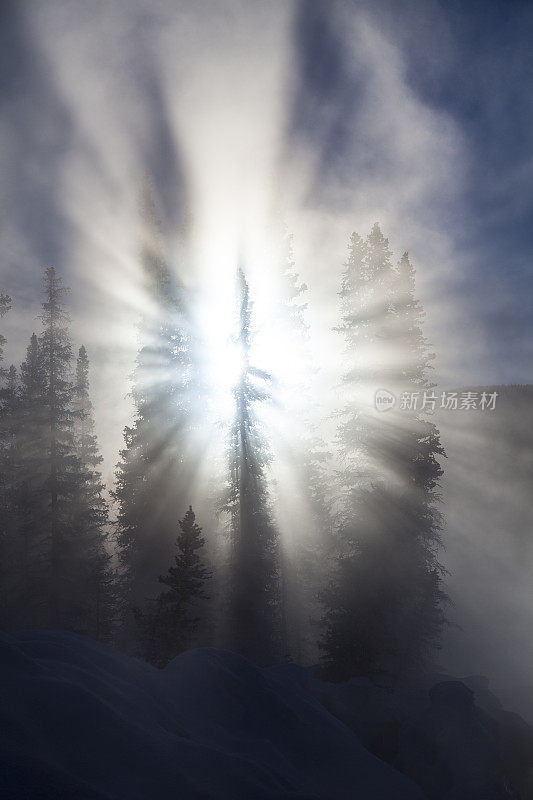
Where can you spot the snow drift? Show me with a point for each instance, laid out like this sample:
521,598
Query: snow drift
82,721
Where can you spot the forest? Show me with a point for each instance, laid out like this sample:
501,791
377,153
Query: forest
266,406
349,577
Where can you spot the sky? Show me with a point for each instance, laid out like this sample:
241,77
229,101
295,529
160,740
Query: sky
335,114
432,110
416,114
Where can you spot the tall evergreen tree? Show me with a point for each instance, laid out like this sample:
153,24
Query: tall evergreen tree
153,476
305,458
169,625
7,511
91,511
384,604
254,602
28,589
5,306
56,543
63,478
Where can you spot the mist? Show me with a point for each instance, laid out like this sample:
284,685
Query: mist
321,115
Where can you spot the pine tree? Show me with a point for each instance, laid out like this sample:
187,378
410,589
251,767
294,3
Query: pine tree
63,478
46,479
9,420
170,625
91,512
153,476
7,509
5,306
56,546
254,602
420,490
384,603
28,588
305,462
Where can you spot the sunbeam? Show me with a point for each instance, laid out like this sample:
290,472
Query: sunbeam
265,375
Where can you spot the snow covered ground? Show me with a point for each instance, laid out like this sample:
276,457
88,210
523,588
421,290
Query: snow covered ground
79,720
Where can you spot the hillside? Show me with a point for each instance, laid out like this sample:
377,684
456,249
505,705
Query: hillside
80,720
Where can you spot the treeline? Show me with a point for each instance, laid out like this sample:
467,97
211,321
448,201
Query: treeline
55,567
361,588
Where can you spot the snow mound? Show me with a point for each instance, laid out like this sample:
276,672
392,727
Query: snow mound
81,721
436,735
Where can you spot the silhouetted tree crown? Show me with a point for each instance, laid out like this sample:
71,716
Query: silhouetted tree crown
384,602
55,539
171,621
254,599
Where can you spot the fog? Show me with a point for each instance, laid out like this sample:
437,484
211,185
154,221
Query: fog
242,113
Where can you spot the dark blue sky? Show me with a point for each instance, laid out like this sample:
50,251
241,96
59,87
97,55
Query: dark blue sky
474,62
